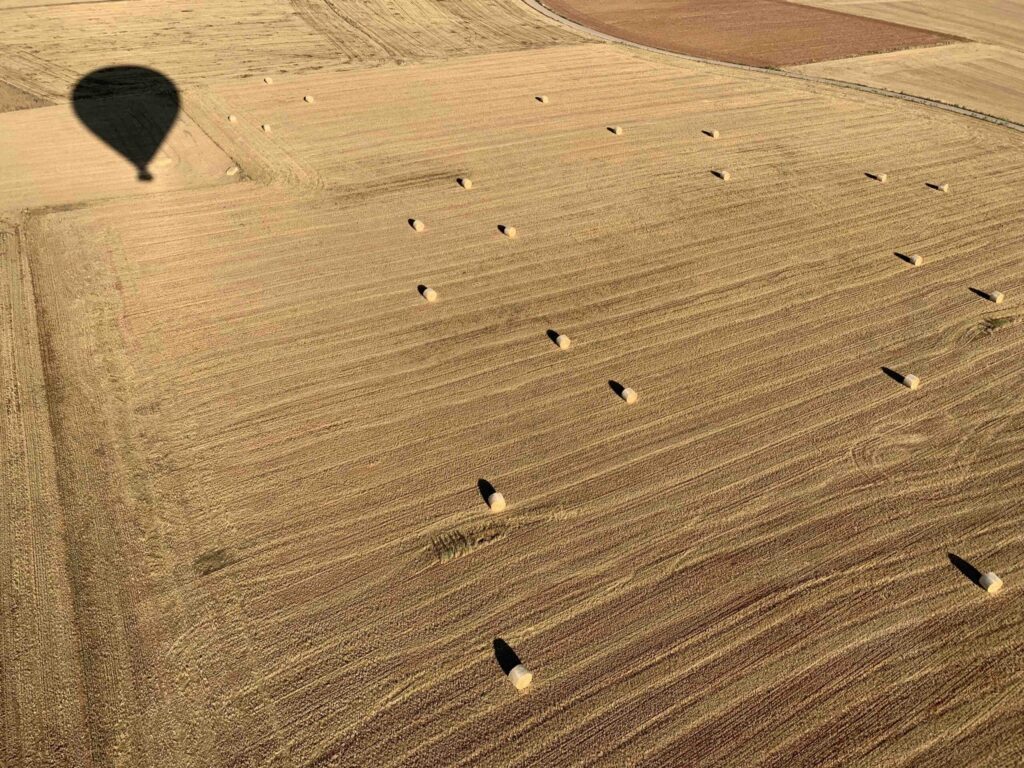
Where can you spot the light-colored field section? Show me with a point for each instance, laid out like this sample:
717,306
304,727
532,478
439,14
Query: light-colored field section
49,158
43,712
46,49
190,41
273,443
986,78
12,98
988,21
760,32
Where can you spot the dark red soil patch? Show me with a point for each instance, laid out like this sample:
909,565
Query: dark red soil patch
767,33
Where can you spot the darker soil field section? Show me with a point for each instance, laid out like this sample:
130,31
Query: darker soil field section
767,33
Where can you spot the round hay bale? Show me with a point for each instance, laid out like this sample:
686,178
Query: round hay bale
465,183
265,127
910,381
268,80
616,129
496,502
915,260
308,99
563,341
418,225
428,293
507,231
996,297
943,187
232,171
520,677
542,99
713,133
723,174
232,118
628,395
990,583
881,177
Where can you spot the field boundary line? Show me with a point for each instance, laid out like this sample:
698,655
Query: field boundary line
539,6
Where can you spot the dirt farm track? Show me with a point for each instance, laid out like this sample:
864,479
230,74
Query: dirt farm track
245,470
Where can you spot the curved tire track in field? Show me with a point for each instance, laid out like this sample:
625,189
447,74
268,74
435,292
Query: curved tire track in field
538,6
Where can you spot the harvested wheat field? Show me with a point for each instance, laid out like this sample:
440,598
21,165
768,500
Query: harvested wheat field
984,75
987,78
289,480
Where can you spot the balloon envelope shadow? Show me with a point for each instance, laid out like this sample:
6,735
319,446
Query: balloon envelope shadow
131,109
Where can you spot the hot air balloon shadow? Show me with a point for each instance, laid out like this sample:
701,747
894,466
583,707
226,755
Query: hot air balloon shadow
132,109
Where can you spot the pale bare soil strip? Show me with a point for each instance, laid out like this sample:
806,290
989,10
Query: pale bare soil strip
1000,22
266,430
43,714
983,77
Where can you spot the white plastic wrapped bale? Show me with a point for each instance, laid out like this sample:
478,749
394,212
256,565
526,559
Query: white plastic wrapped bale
990,583
520,677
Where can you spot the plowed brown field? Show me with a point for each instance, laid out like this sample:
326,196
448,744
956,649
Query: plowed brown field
767,33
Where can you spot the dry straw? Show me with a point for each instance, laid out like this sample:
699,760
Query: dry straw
520,677
990,583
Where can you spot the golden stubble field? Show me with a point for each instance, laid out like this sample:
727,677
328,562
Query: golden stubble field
985,75
267,440
243,456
